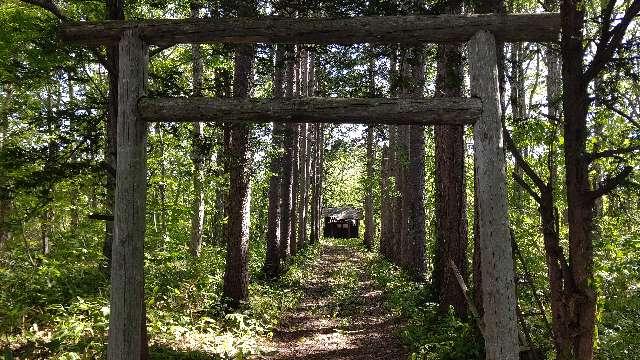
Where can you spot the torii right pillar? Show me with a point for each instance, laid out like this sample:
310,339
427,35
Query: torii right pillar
498,287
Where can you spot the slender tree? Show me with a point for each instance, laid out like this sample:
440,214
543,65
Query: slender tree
403,143
386,219
5,196
287,167
369,227
197,151
295,160
302,192
573,297
303,155
272,259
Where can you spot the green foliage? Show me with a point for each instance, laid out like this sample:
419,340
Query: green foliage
430,334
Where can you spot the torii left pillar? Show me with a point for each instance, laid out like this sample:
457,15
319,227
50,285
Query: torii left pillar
127,321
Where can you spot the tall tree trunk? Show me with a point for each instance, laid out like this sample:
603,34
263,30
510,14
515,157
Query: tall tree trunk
386,220
5,196
394,164
303,154
394,246
115,11
320,177
369,221
295,178
272,259
295,160
46,217
45,231
581,320
402,167
414,191
303,193
518,111
162,186
451,217
313,153
287,167
236,276
197,151
75,196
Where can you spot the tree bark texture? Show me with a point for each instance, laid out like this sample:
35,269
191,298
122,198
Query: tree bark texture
45,231
287,169
313,179
386,206
403,158
498,288
395,194
5,195
451,218
320,176
302,189
272,259
414,192
369,221
304,154
127,330
582,301
115,11
236,276
295,189
281,30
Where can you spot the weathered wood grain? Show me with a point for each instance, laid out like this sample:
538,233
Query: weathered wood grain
498,288
313,110
127,320
375,29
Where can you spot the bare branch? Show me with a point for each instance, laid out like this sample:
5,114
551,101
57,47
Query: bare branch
611,182
103,217
627,117
527,187
521,162
612,153
605,50
49,6
158,50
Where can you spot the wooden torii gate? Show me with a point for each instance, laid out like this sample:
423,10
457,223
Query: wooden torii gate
482,110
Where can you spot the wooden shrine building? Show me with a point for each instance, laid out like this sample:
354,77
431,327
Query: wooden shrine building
341,222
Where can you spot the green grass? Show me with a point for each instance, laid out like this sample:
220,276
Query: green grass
59,309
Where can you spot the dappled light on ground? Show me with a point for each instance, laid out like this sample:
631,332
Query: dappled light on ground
341,316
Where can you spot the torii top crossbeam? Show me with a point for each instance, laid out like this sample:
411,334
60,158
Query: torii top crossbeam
544,27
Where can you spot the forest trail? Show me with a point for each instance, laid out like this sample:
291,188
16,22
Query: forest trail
341,315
